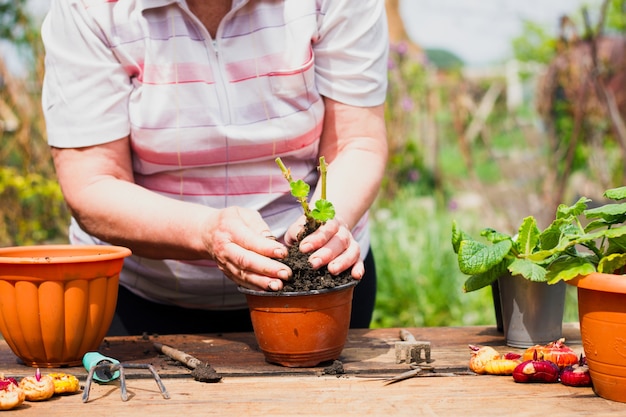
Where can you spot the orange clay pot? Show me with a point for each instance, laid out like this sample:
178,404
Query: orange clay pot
602,314
301,329
57,301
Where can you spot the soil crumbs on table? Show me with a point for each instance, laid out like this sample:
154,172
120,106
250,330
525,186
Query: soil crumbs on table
336,368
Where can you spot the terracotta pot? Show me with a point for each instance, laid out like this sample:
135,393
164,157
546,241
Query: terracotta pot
57,301
602,315
301,329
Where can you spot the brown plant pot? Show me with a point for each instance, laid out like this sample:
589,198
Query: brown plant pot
301,329
602,315
57,301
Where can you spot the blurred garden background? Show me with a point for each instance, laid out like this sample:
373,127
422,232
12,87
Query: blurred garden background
484,147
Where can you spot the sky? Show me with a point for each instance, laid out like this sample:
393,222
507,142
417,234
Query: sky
480,31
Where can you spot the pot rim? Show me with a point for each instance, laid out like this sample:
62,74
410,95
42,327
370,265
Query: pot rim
600,282
37,254
295,293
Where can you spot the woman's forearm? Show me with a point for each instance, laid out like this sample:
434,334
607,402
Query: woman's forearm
98,186
355,146
353,183
151,225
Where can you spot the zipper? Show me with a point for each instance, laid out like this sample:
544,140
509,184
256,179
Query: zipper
223,97
214,60
219,76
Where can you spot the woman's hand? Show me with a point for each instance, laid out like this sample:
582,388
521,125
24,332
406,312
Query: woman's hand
332,244
242,245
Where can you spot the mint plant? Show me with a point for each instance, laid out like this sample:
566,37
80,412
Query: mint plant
564,250
324,209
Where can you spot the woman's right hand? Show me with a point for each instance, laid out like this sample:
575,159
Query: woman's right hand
242,245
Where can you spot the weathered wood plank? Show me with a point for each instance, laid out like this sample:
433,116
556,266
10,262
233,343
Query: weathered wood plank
253,387
307,395
366,351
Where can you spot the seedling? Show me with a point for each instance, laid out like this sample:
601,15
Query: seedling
324,209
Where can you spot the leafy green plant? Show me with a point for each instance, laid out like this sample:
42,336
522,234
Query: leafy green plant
564,250
324,209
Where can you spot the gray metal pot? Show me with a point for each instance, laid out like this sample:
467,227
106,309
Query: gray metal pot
532,312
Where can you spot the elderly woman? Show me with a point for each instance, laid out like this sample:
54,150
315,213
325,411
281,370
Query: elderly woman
164,119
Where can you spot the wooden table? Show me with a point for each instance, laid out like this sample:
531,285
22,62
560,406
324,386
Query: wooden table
250,386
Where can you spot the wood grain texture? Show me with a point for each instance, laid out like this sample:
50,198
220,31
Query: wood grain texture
250,386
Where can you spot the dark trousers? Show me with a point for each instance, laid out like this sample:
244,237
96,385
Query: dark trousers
135,315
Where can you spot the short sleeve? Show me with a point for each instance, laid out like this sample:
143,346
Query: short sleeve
351,51
86,89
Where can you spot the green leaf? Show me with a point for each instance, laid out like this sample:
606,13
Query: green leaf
475,257
458,236
478,281
528,236
494,236
577,209
573,239
595,225
616,193
323,211
299,189
551,236
613,233
617,245
528,269
611,263
611,213
541,255
566,268
591,237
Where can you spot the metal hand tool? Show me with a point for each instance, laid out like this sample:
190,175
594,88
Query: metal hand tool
409,349
104,369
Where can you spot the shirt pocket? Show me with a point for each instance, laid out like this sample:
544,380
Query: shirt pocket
294,88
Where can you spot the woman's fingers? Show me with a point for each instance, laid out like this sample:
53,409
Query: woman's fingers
339,254
334,246
331,245
243,247
251,270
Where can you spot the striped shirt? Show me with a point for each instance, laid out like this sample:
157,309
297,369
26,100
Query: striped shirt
207,117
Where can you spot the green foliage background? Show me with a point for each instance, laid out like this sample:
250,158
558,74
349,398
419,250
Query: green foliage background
32,209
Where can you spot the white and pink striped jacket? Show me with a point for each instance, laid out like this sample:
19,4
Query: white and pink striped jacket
207,117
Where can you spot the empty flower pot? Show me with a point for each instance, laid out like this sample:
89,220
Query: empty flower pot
57,301
602,314
301,329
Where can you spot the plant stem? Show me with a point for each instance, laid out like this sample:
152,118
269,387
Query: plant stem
323,170
287,174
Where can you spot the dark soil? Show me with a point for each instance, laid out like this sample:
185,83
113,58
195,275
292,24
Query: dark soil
205,373
305,278
336,368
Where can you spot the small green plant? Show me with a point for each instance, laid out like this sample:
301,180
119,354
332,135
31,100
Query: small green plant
324,209
551,255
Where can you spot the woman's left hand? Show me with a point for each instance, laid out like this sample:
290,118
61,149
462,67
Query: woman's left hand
332,244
